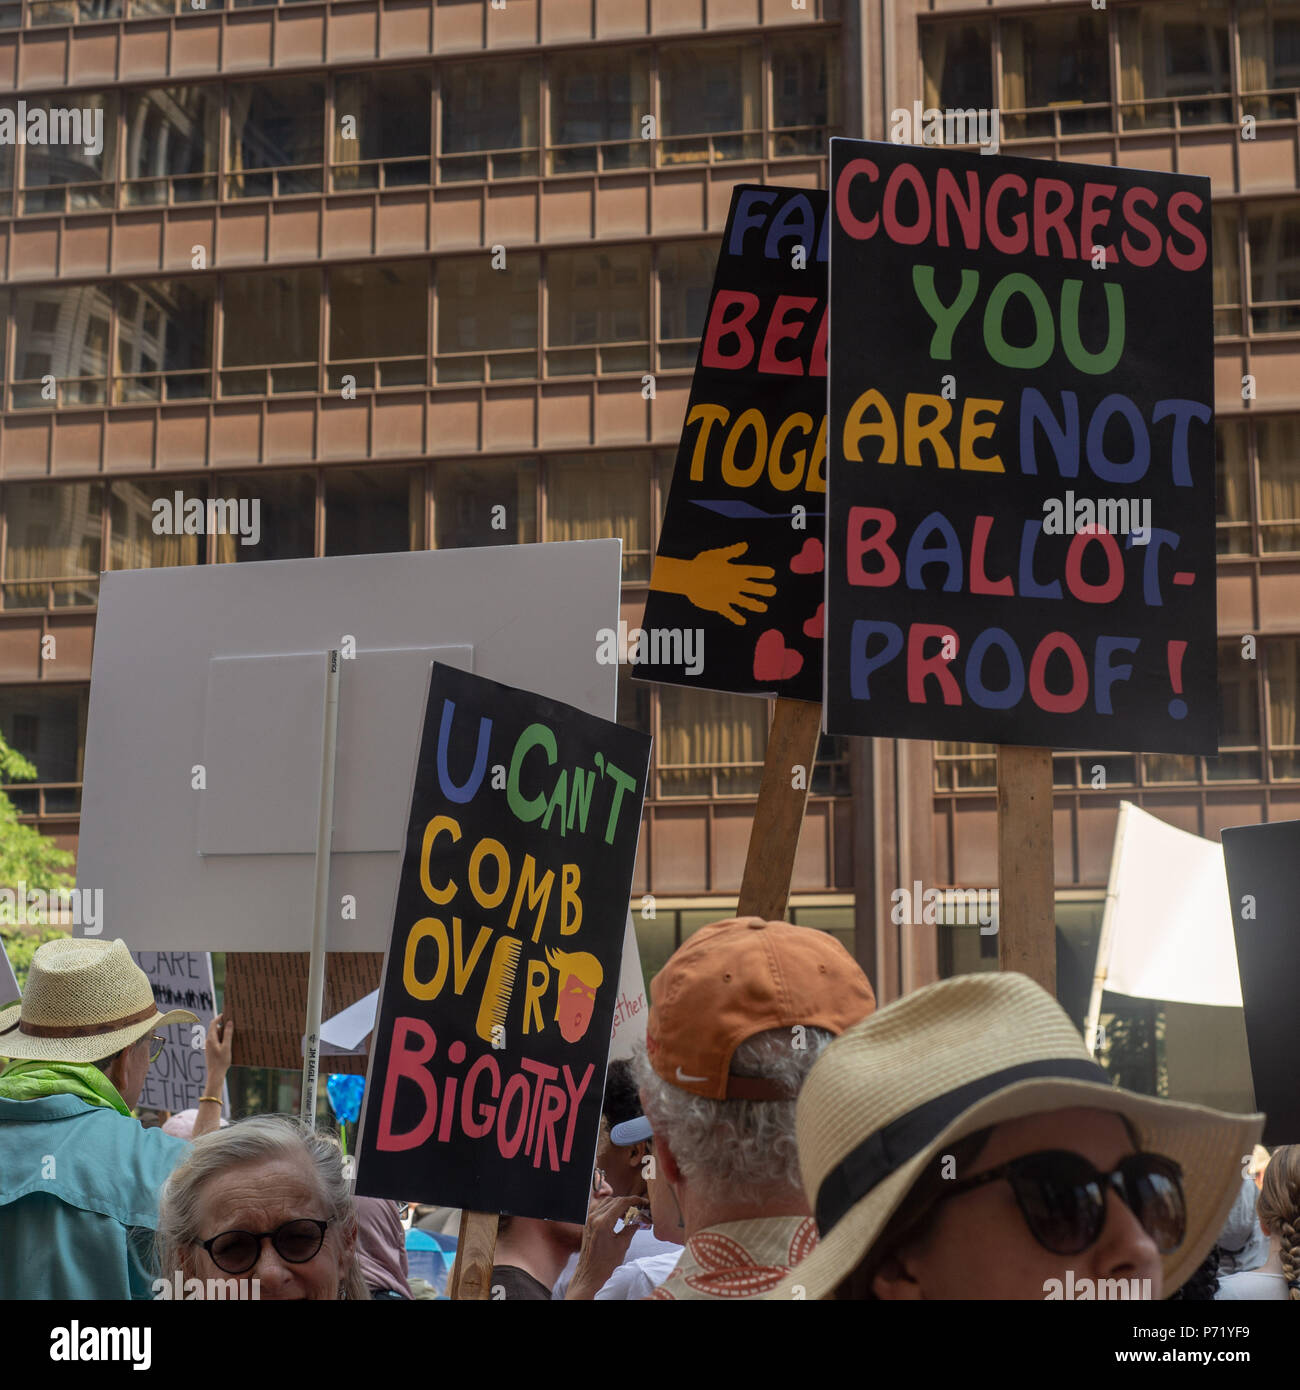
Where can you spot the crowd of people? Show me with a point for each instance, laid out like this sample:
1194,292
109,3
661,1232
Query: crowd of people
776,1137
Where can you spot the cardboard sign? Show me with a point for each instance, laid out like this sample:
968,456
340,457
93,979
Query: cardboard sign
180,980
736,591
1263,865
219,670
266,998
1021,536
631,1008
500,982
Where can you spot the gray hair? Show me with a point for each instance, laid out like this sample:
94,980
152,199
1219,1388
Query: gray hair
735,1149
259,1139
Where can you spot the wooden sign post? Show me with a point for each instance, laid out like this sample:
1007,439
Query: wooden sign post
778,817
1026,868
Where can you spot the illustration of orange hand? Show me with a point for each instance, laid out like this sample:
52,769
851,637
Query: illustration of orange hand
713,582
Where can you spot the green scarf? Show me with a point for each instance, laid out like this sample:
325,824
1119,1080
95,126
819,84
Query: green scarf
24,1080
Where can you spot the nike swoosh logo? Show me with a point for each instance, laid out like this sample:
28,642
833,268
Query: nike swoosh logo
681,1076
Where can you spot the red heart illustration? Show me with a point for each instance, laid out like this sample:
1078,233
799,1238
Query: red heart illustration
811,559
773,660
815,627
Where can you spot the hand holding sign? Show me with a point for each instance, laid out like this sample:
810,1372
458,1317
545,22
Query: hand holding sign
714,583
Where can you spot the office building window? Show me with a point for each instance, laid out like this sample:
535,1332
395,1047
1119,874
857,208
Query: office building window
133,544
379,324
685,282
598,103
710,743
490,120
1268,33
1227,270
382,129
597,301
1278,441
368,510
487,502
276,513
53,537
72,167
710,102
164,346
1055,68
276,137
1232,488
61,346
1273,238
1172,57
594,495
171,136
487,318
634,711
1238,717
963,766
1282,667
47,725
804,82
271,323
958,61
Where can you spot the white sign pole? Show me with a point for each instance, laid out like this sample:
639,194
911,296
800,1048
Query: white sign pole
1106,941
320,906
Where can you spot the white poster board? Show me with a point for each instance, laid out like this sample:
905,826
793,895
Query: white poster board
9,991
1171,936
632,1008
202,767
180,980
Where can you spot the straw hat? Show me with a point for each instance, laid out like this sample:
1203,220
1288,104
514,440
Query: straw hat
84,1000
959,1056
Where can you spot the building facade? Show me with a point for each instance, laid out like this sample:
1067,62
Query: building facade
431,274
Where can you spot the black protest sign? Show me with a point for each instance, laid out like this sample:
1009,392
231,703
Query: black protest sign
1020,545
1263,864
736,593
497,1001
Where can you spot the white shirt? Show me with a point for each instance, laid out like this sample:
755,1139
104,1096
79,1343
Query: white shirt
1252,1284
642,1244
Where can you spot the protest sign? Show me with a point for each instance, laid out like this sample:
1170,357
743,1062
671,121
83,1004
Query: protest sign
9,991
180,980
203,763
631,1008
487,1062
736,592
1263,868
1021,452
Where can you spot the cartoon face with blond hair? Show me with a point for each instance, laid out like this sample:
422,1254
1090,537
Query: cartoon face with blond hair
580,977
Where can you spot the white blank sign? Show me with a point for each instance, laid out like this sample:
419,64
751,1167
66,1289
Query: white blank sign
212,667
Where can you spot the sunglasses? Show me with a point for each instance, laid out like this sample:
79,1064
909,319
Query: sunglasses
236,1252
1063,1197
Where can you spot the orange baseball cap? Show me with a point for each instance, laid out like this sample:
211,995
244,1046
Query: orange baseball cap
744,976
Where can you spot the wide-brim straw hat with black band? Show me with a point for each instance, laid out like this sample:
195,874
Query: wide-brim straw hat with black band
84,1001
967,1053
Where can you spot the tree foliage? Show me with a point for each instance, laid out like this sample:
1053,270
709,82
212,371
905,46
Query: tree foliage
28,860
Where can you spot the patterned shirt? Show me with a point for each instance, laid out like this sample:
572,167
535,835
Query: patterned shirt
740,1259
